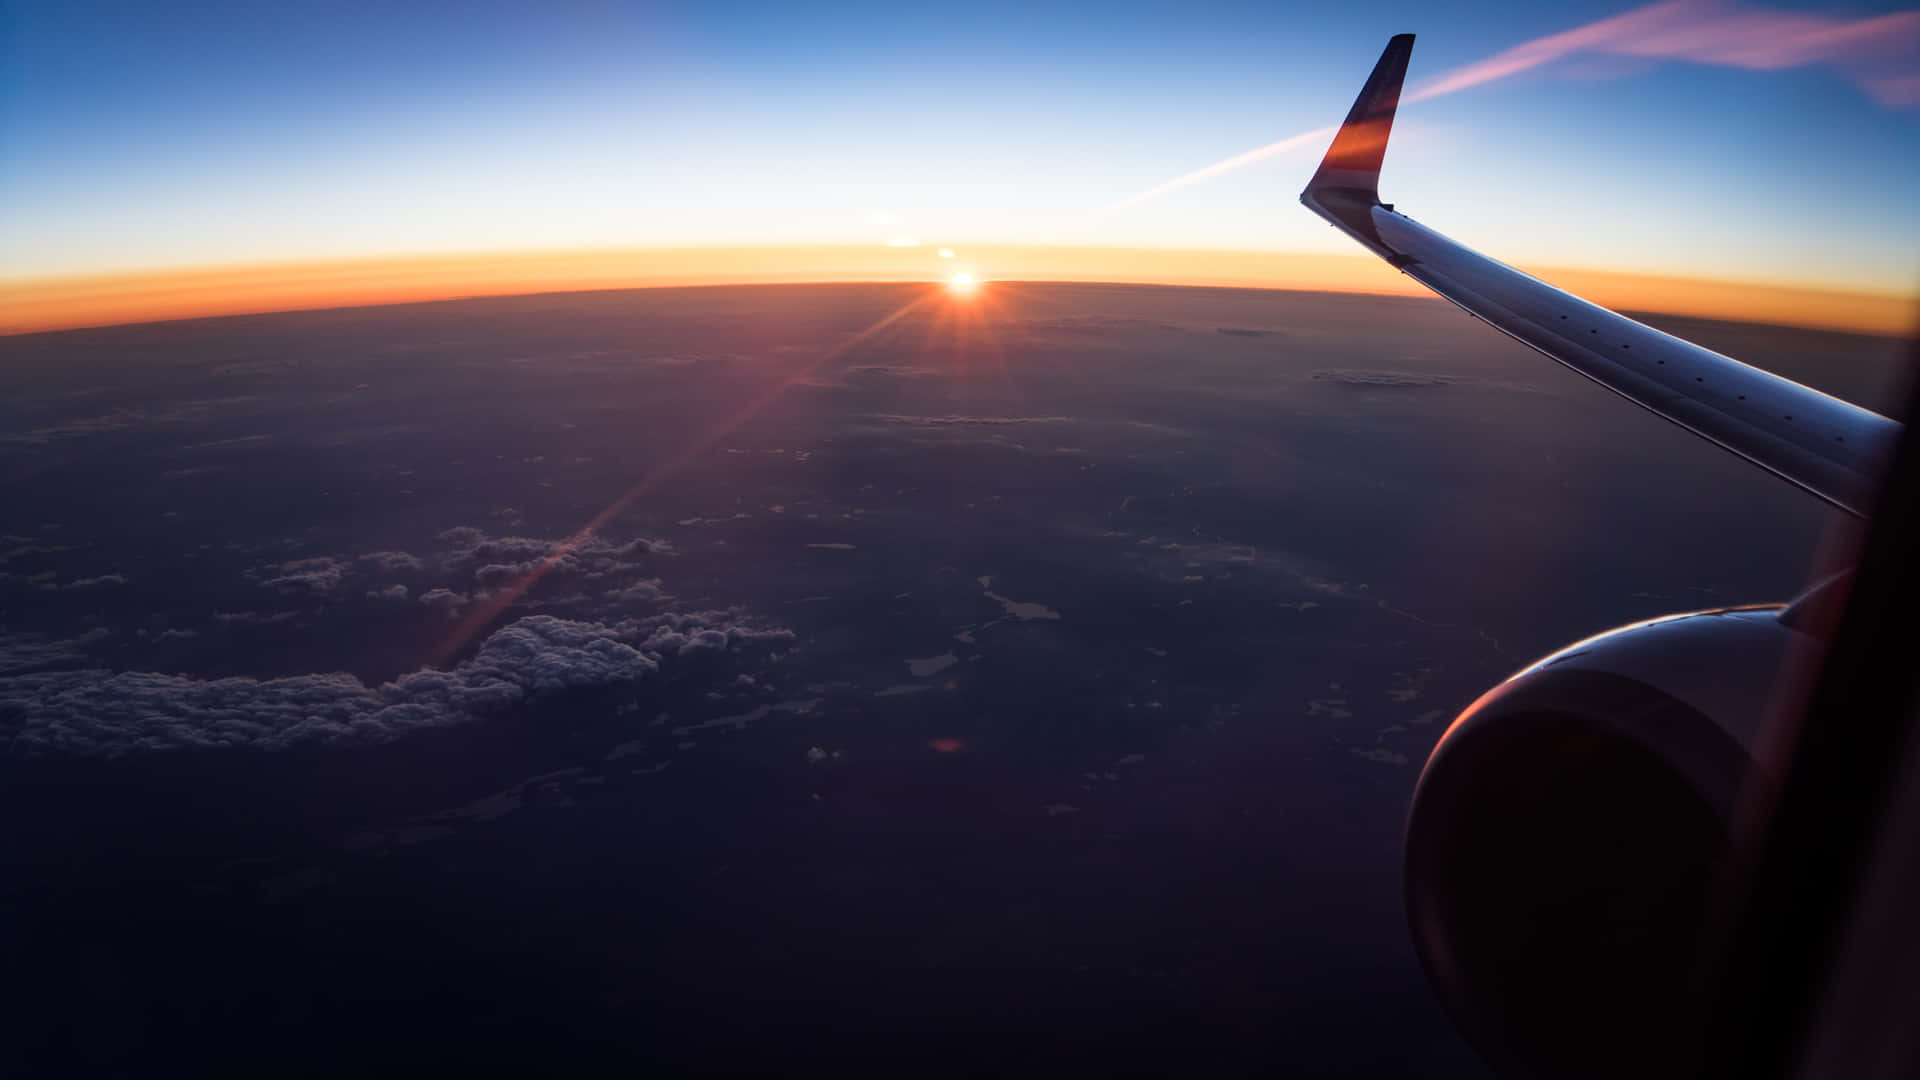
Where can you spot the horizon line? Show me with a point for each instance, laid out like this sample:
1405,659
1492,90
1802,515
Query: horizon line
99,300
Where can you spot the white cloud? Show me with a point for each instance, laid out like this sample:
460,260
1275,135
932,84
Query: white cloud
444,600
392,560
1020,610
29,652
254,617
96,713
104,581
646,592
901,691
497,558
316,575
106,713
932,665
757,713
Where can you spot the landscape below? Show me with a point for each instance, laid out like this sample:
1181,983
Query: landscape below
763,677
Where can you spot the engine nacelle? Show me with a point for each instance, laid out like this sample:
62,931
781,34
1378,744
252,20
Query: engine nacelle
1568,832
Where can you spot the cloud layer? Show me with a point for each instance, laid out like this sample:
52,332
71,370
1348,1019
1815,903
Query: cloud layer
97,713
627,634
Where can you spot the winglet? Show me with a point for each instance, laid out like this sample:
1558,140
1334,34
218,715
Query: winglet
1353,162
1832,449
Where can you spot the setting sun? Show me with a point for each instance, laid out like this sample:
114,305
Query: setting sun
961,282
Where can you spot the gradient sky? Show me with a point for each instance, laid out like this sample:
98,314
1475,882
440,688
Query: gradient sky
137,136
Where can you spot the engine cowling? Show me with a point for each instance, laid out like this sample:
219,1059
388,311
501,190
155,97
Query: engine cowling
1568,833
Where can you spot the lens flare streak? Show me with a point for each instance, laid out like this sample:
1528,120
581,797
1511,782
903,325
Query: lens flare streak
484,612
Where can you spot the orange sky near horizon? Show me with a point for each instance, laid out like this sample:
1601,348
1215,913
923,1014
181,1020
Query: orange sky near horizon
95,300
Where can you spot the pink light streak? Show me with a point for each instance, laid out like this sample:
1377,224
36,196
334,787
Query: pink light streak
1292,142
1877,53
483,612
1880,54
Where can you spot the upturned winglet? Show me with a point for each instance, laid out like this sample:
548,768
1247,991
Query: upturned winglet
1353,162
1827,446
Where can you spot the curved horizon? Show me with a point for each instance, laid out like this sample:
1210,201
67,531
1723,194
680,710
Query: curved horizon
91,301
1705,157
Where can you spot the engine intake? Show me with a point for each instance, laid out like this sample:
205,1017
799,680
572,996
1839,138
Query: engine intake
1567,833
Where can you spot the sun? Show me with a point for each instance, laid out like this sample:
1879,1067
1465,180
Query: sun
962,283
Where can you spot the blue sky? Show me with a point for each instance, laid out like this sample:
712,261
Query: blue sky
139,136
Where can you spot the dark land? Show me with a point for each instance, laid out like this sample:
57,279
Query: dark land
1032,684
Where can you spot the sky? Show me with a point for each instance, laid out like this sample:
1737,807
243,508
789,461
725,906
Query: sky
1706,139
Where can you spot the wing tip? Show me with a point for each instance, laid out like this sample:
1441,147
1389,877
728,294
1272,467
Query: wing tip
1353,161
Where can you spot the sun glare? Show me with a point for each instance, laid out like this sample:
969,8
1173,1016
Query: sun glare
962,283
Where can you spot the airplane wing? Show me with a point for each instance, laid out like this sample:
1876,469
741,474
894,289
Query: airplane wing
1831,448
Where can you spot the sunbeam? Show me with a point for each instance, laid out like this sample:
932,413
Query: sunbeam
485,611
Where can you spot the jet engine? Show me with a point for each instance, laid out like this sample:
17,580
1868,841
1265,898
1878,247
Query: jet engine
1568,835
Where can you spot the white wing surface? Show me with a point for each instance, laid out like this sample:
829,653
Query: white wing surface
1831,448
